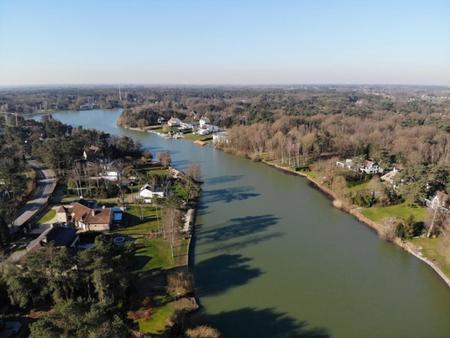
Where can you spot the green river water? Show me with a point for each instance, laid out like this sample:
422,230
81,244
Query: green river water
273,258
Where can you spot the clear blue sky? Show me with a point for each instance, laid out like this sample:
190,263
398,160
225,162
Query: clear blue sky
224,42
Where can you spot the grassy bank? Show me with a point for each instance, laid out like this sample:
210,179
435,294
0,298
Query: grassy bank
401,211
152,258
436,252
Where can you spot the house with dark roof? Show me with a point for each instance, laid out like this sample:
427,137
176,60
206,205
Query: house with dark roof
84,217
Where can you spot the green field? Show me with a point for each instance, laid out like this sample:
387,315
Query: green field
402,211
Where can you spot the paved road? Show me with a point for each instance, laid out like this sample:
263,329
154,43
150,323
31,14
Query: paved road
45,186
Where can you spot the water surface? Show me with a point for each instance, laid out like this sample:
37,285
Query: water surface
273,258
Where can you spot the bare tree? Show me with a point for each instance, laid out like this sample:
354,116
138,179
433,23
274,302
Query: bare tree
193,171
164,158
171,224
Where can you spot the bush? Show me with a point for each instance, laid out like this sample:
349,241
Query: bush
202,332
364,199
409,229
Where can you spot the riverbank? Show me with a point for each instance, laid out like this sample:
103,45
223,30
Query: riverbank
353,210
157,130
144,129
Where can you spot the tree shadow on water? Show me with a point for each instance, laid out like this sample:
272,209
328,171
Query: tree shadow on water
254,240
259,323
228,195
239,227
220,273
223,179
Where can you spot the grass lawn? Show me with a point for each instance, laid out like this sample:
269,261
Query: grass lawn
194,137
402,211
151,256
137,227
159,171
358,187
158,321
155,254
436,250
48,216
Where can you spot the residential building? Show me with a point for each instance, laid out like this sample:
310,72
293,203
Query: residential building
204,120
204,131
389,177
347,164
371,168
147,194
185,127
84,217
111,172
174,122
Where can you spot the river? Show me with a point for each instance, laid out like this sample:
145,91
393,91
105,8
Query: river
273,258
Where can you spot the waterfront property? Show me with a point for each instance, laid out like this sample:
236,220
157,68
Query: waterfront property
86,217
147,194
371,168
258,224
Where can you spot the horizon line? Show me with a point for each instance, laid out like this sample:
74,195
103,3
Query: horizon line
217,85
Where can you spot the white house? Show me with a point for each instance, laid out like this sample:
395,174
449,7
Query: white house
347,164
204,120
174,122
186,126
371,168
147,194
111,172
204,131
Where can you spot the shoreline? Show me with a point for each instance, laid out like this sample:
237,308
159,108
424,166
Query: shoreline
152,130
409,247
378,228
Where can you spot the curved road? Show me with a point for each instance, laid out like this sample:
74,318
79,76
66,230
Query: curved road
45,186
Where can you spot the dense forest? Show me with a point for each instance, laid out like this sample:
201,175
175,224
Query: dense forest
310,128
